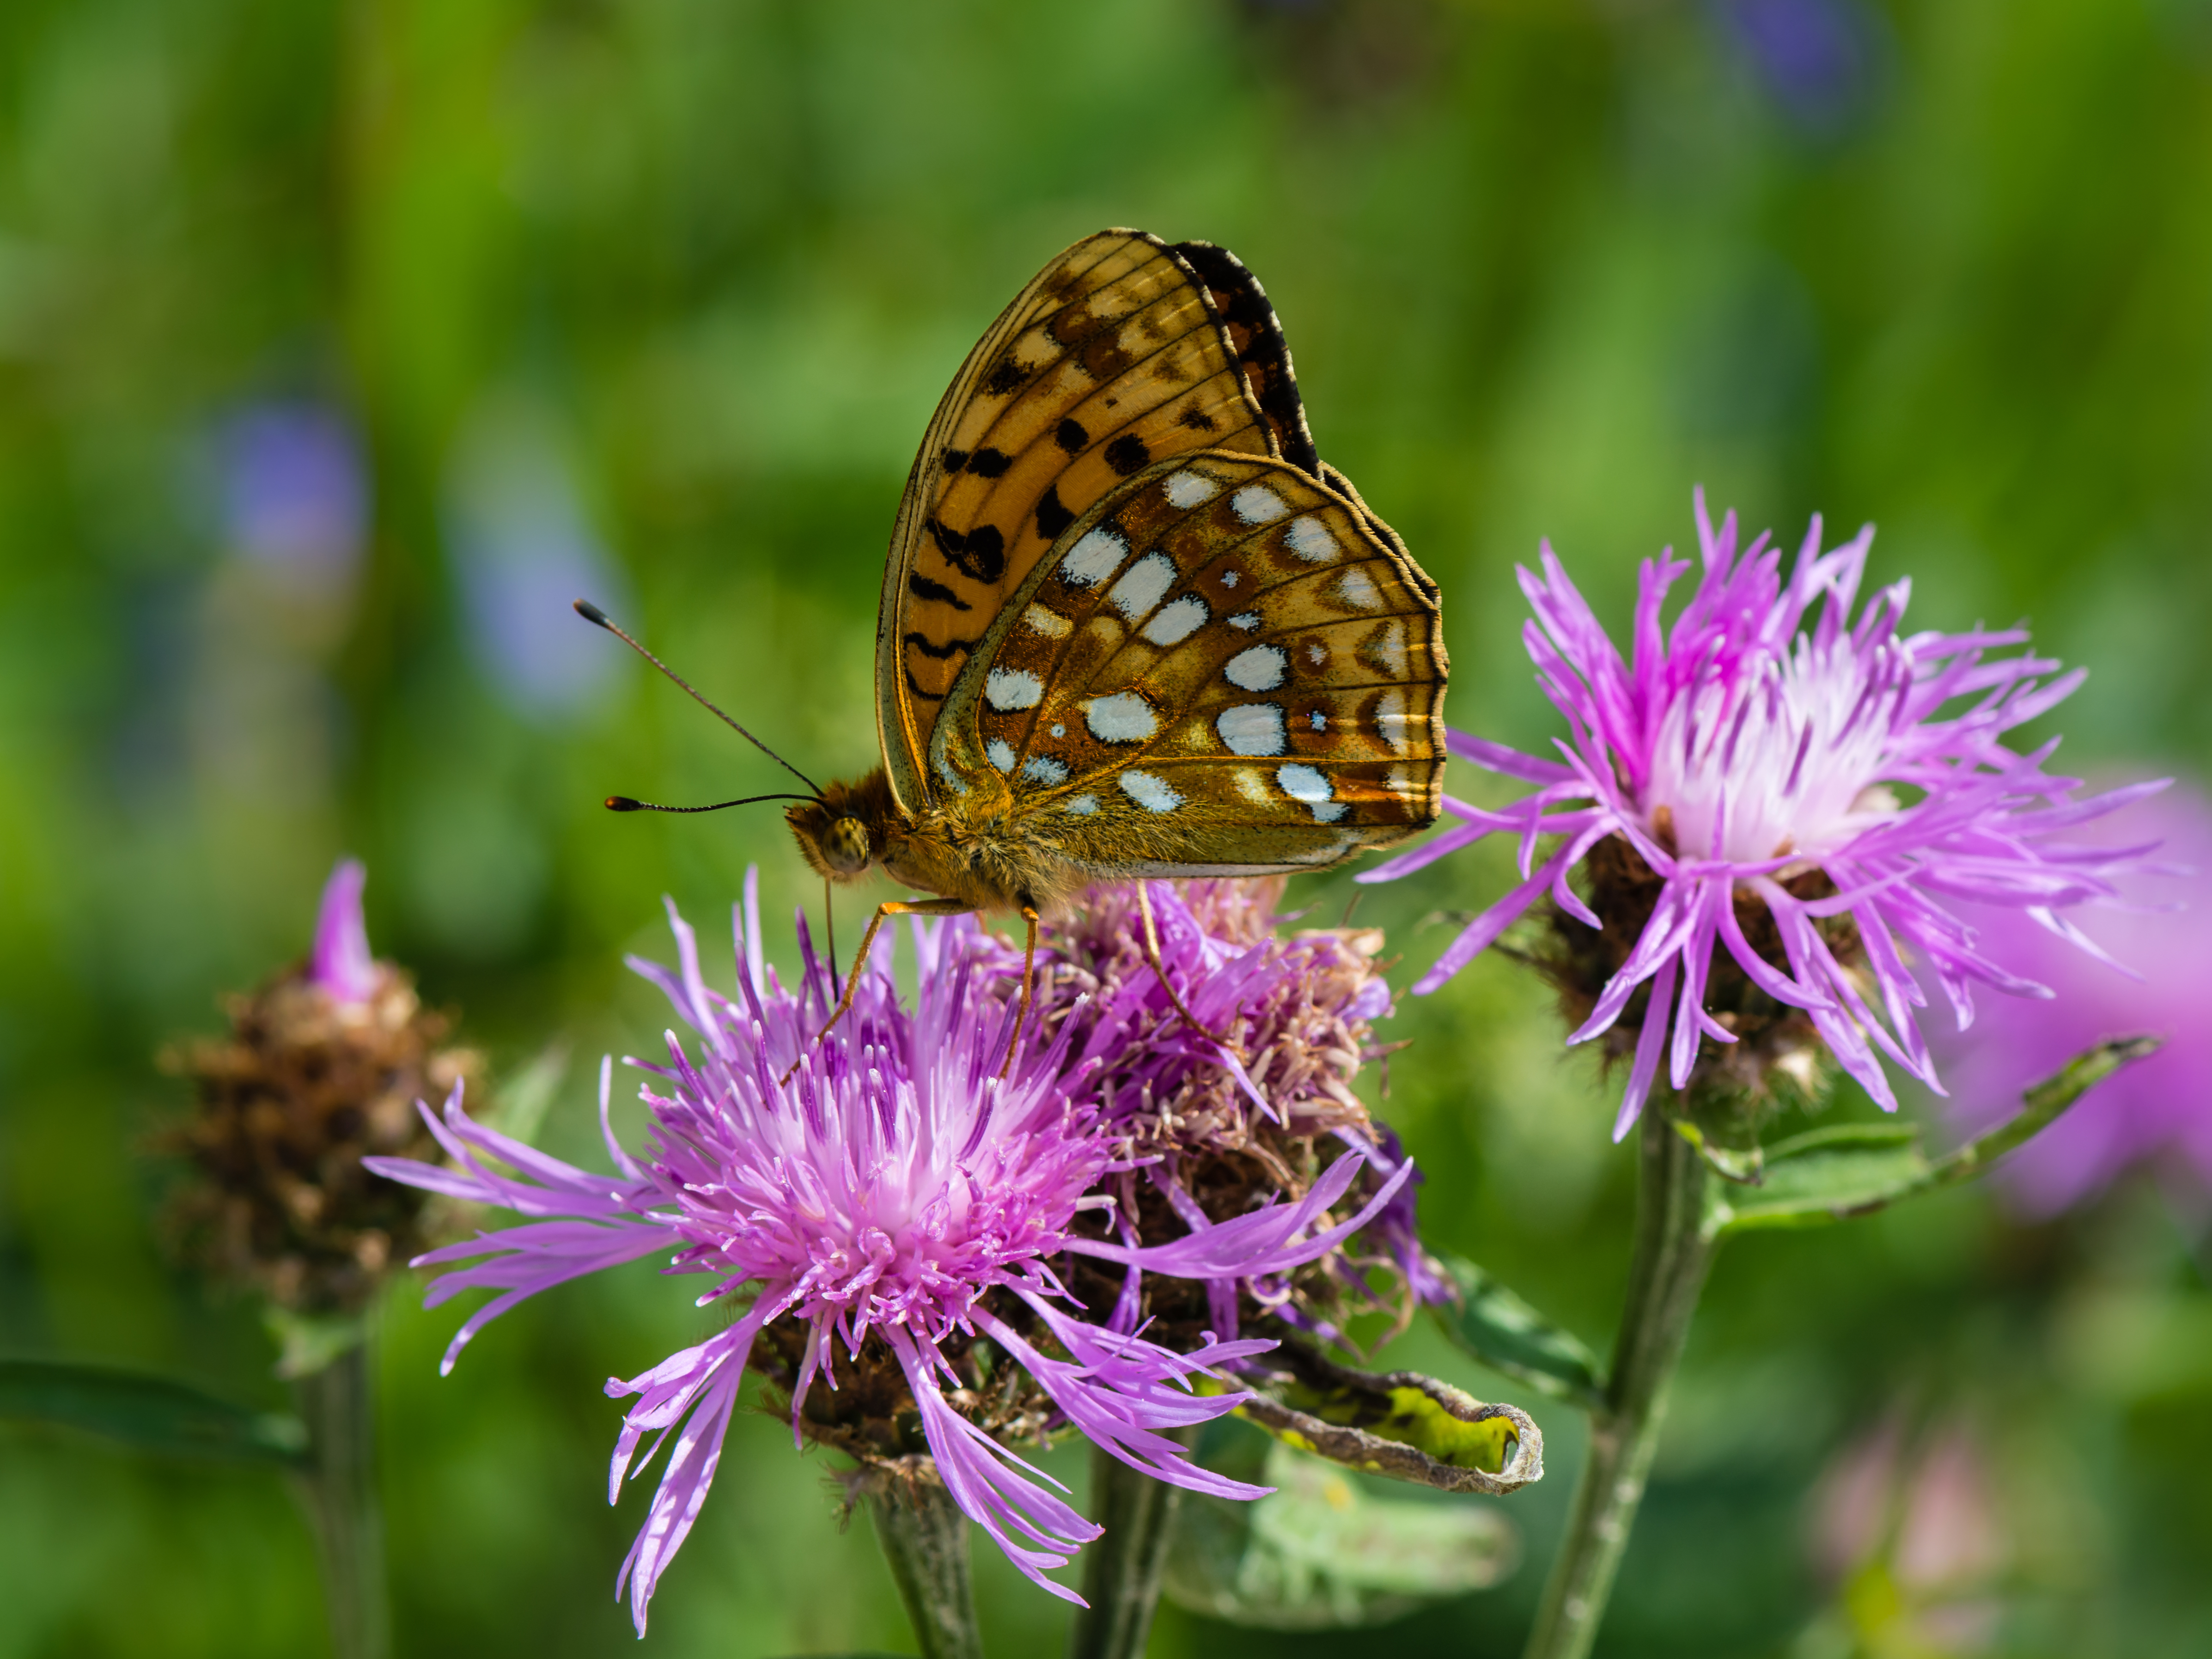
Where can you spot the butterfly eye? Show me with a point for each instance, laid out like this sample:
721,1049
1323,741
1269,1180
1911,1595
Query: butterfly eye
845,845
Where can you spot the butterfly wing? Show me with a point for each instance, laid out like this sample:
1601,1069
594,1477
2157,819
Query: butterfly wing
1227,666
1124,351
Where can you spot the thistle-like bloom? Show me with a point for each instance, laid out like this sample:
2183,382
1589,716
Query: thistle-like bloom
2157,1111
895,1201
1206,1126
1797,802
324,1063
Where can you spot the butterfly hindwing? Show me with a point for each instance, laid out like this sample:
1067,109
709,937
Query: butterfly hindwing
1225,666
1116,357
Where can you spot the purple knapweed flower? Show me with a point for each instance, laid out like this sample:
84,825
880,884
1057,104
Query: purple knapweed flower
1803,802
1263,1089
2158,979
895,1190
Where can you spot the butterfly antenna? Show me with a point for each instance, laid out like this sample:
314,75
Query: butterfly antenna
592,613
830,933
624,804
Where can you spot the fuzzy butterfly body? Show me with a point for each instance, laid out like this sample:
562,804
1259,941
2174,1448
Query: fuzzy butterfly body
1132,625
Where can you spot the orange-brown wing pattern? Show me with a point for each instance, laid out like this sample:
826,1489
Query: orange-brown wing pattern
1113,358
1223,668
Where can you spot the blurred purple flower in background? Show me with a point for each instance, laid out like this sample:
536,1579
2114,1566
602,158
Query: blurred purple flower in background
1750,764
895,1188
524,550
2159,1109
295,495
1815,57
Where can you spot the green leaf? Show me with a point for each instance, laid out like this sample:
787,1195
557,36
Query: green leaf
1320,1554
1400,1424
1498,1329
154,1414
1855,1168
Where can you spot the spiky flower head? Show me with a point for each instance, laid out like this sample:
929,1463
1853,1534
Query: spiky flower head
886,1227
324,1064
1777,807
1256,1097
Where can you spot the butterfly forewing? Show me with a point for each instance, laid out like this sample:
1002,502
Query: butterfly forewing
1222,667
1113,359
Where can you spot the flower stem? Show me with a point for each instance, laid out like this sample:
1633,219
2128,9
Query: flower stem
925,1538
1666,1273
1122,1571
338,1487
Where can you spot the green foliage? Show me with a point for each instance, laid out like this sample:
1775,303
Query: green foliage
1847,1169
1496,1326
157,1414
1321,1554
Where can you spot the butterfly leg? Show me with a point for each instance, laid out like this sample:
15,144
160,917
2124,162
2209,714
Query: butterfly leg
1160,967
1029,971
938,907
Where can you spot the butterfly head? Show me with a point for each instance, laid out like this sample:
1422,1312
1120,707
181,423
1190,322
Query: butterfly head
848,829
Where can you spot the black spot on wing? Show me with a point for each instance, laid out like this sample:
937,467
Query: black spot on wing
920,642
923,589
1196,419
1006,375
980,554
1262,351
1127,454
953,459
1071,436
988,463
1051,517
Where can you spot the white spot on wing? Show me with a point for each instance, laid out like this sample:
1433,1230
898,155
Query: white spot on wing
1094,558
1177,621
1084,805
1125,717
1309,538
1149,792
1050,624
1260,669
1305,784
1044,770
1318,721
1058,730
1142,585
1252,728
1230,579
1257,504
1246,620
1355,591
1009,688
1390,718
1190,488
1002,756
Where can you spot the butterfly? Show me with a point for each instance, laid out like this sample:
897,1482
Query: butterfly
1131,624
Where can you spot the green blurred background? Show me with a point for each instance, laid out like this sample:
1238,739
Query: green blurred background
342,345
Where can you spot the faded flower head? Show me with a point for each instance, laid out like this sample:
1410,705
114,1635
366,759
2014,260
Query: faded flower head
2149,970
1776,810
323,1064
888,1229
1260,1100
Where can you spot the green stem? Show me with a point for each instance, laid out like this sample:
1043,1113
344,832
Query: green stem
338,1486
1666,1273
1122,1570
925,1538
